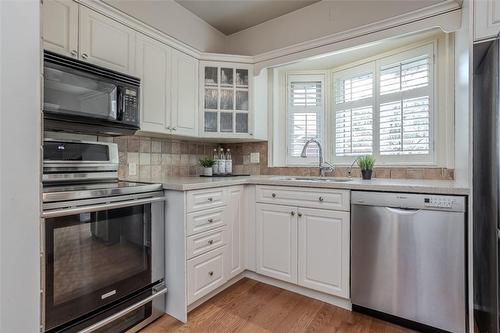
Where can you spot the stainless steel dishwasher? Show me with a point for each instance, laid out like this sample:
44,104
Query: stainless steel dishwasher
408,258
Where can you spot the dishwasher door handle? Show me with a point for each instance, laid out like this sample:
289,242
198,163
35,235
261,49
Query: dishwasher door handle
400,211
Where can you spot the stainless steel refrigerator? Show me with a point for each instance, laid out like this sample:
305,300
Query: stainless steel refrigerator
486,178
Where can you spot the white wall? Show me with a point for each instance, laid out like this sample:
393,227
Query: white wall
19,166
321,19
176,21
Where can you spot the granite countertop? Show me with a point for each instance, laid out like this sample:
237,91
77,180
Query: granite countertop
380,184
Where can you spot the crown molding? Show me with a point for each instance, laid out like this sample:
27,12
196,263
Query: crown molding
446,23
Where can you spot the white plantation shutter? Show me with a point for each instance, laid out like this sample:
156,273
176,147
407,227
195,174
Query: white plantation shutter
305,116
385,108
353,107
405,95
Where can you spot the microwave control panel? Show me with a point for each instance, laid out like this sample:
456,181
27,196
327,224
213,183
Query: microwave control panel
130,106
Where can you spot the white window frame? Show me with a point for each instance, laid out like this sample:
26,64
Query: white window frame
375,64
297,77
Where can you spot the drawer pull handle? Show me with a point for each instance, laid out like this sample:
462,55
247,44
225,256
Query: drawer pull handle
299,214
210,220
273,195
211,273
292,213
321,199
211,241
210,199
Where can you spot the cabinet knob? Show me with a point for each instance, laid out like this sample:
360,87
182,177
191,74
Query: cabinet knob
85,56
292,213
211,273
321,199
74,53
299,214
210,199
273,195
210,220
211,241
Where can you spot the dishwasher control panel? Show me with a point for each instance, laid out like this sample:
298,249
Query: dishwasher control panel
409,201
439,202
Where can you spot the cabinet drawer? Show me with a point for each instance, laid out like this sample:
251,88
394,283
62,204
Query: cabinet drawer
304,197
204,199
206,273
203,221
206,241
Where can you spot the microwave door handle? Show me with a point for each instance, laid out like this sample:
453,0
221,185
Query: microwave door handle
97,208
119,115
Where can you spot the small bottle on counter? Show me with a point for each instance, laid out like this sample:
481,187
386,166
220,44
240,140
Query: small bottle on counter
221,162
229,163
215,167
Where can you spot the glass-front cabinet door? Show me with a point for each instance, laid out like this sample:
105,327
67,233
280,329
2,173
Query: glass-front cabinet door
226,100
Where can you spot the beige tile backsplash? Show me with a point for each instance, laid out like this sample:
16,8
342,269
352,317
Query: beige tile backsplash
155,158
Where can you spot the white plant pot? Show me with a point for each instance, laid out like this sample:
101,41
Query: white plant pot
207,172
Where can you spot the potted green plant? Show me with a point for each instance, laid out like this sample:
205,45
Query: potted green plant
366,164
207,164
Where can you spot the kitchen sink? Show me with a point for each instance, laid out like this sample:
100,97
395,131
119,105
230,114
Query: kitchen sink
317,179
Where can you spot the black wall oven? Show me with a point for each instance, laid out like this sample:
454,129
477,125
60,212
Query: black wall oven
84,98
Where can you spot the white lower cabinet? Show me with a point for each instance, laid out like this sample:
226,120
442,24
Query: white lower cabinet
304,245
206,273
234,217
323,251
276,248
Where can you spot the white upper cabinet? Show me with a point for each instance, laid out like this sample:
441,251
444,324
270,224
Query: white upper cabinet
276,237
152,60
184,102
106,42
60,27
226,100
323,251
486,19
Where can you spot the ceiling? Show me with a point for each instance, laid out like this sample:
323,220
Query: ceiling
231,16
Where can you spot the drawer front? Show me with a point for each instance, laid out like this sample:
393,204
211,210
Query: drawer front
203,221
304,197
206,273
205,199
206,241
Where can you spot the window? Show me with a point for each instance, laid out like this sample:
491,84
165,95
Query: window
384,108
305,116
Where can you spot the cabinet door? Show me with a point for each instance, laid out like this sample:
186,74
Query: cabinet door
486,19
234,219
105,42
152,59
277,241
184,94
60,26
323,251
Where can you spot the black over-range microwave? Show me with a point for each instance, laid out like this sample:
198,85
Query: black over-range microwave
83,98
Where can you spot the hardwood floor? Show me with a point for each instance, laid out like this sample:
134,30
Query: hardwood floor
251,306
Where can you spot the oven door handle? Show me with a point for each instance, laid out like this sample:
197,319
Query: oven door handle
96,208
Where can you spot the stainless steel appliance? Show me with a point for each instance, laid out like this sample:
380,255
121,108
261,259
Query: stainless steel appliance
408,258
103,242
486,206
80,97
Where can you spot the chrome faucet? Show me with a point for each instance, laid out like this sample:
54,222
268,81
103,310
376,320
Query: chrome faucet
349,170
324,167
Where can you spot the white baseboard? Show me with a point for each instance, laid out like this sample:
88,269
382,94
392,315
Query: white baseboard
330,299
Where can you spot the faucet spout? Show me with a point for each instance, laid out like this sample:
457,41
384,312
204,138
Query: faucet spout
323,166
